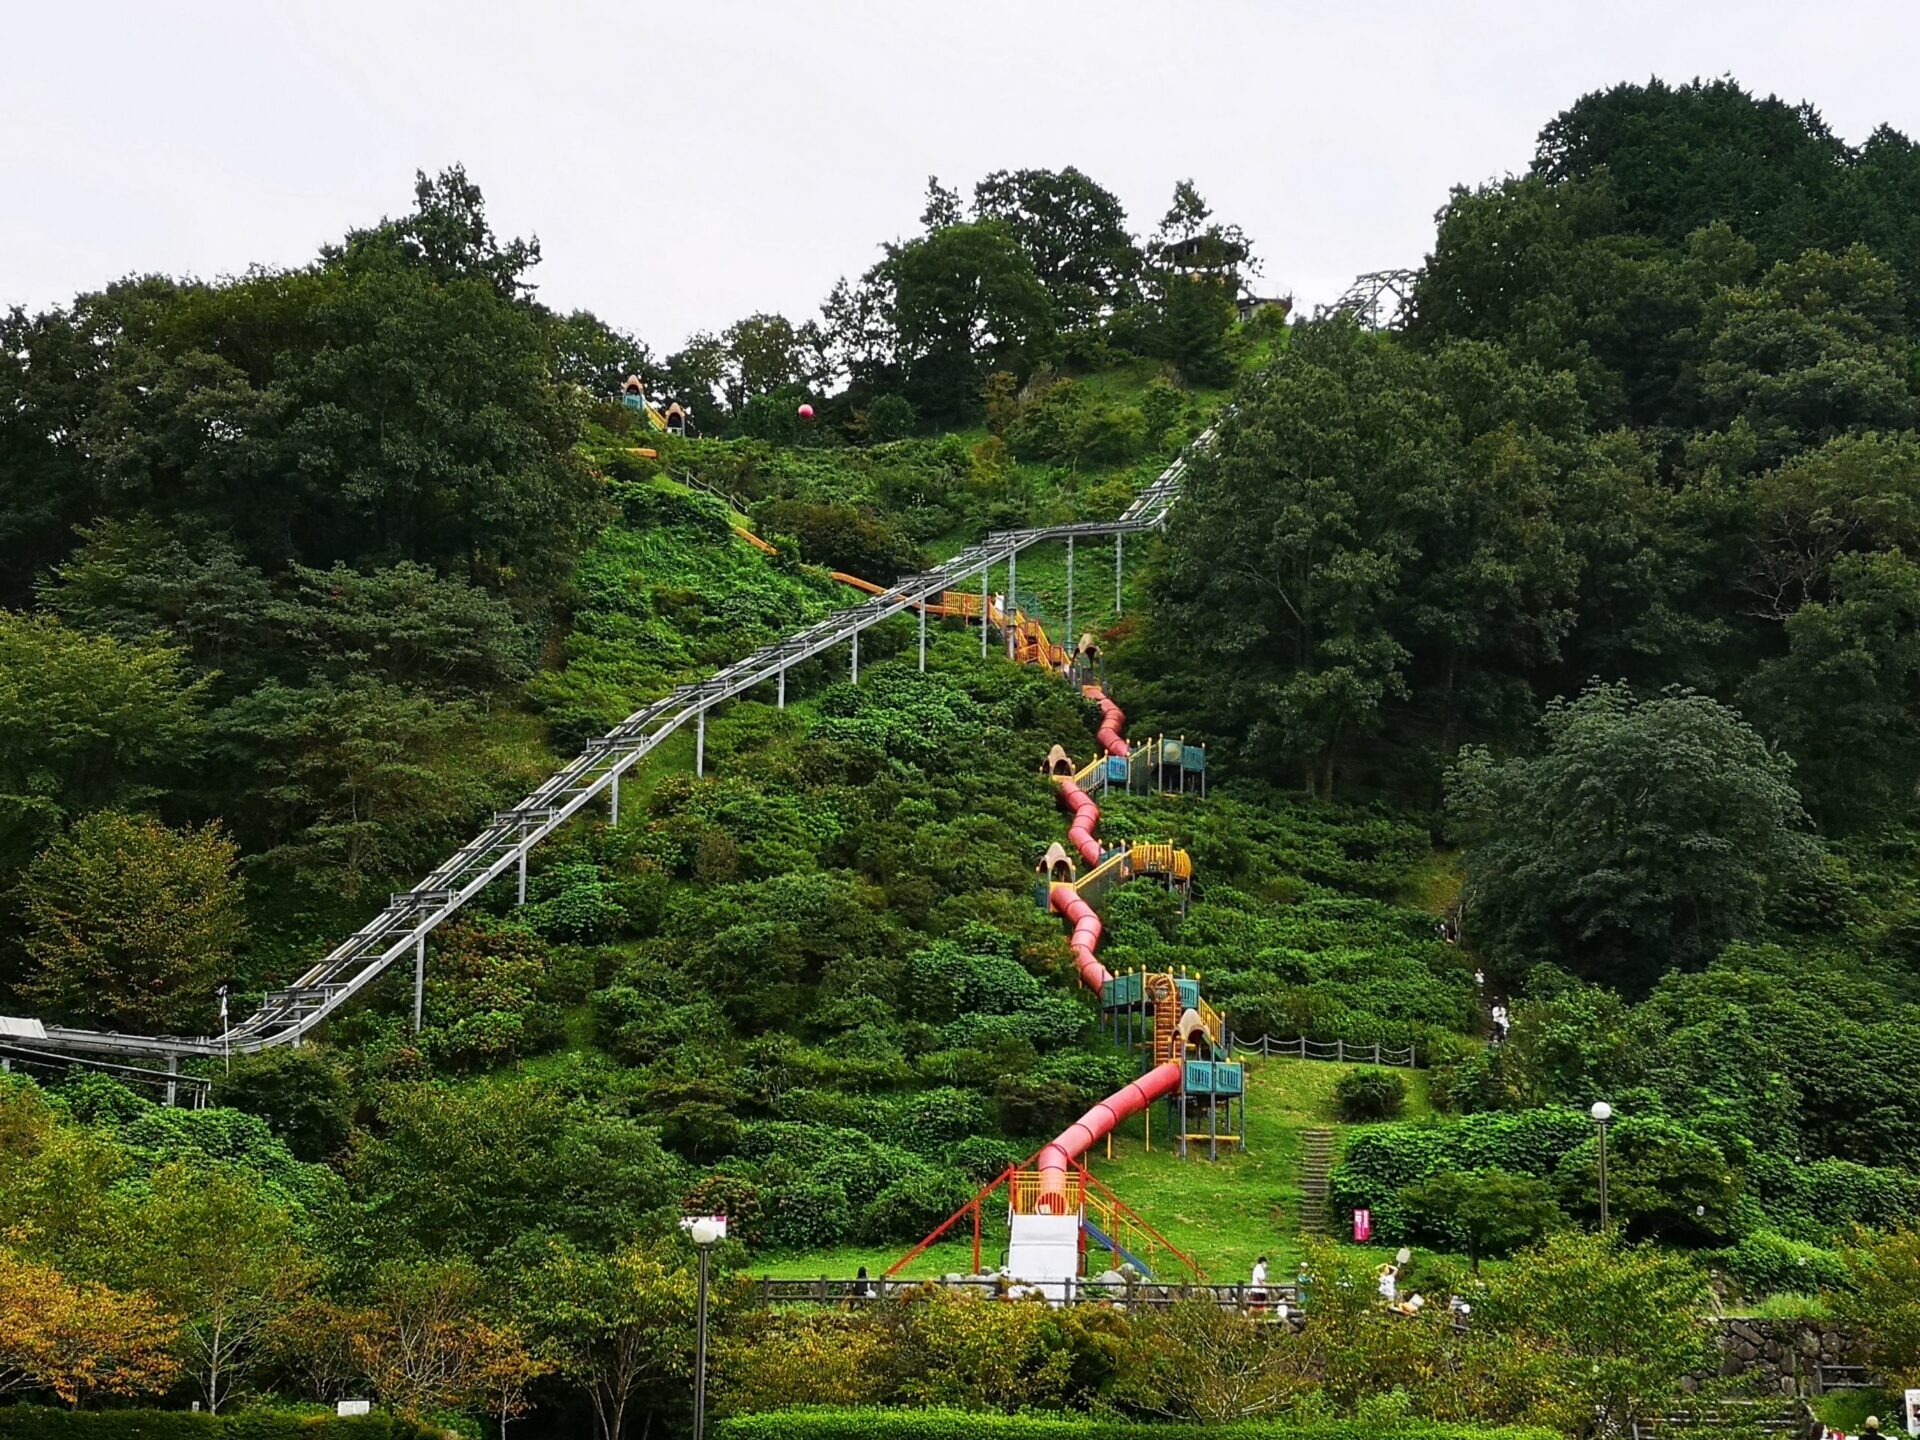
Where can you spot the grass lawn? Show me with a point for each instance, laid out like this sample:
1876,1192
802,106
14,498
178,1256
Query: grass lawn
1223,1214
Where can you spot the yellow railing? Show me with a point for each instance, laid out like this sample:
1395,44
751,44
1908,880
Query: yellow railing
1114,867
1024,1192
1087,771
1215,1024
1121,1228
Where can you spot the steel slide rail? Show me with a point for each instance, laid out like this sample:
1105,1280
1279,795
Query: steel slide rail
401,928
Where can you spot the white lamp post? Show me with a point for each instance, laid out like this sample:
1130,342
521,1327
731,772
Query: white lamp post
1602,1112
705,1233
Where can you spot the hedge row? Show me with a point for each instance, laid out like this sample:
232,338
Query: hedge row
36,1422
882,1424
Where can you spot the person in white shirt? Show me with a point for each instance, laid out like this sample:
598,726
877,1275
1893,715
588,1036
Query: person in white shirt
1257,1291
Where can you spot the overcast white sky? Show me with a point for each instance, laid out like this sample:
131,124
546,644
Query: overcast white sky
687,164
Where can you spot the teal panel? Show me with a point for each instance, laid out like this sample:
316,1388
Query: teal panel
1189,991
1116,769
1170,752
1199,1078
1195,759
1228,1079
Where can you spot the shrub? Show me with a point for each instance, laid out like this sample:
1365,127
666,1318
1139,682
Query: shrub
808,1215
1380,1162
942,1424
1766,1262
890,417
1488,1213
1369,1095
32,1422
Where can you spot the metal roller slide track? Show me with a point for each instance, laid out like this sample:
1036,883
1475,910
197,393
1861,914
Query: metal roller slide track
401,928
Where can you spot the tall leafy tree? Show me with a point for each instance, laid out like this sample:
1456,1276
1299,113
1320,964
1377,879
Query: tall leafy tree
1644,836
1844,700
1075,232
619,1324
1375,535
960,303
129,925
356,780
1816,349
1194,270
216,1249
80,1340
85,721
1681,156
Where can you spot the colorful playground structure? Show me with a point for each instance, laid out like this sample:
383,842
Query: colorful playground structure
1058,1215
671,418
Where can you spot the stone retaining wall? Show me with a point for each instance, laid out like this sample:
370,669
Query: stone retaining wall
1780,1357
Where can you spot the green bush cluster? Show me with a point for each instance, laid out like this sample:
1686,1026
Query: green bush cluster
830,1423
1362,1095
34,1422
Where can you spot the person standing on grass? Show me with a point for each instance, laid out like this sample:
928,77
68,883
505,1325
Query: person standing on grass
1257,1290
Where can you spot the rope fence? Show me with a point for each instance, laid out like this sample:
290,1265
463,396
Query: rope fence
1344,1051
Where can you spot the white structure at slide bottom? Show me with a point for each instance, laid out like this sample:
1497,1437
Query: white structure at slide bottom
1044,1251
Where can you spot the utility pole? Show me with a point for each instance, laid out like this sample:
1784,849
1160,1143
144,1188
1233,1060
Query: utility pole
1069,638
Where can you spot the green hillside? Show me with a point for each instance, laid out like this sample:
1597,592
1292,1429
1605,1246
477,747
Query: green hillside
1552,653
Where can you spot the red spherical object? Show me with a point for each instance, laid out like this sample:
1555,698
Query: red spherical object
806,412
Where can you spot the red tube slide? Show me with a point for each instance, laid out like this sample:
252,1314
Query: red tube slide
1086,815
1085,938
1113,720
1057,1157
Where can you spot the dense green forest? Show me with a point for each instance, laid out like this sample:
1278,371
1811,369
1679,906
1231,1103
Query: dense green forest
1563,632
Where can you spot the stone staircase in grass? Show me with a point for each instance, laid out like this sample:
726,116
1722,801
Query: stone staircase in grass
1316,1162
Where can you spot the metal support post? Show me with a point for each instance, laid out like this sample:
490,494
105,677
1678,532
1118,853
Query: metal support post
700,1352
783,687
1213,1127
1119,545
856,657
419,981
700,746
613,801
522,897
173,1083
923,636
984,569
1071,639
1602,1128
1013,602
